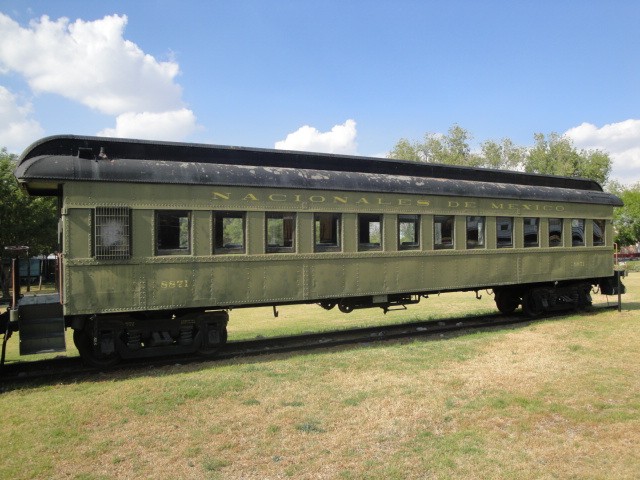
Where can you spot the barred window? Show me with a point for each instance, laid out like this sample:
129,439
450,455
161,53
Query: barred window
112,233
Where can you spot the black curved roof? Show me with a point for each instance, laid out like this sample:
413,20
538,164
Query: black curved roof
75,158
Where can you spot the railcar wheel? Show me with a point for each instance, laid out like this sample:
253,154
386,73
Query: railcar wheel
506,302
532,304
84,343
345,307
327,305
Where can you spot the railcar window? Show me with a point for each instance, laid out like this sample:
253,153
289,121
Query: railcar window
531,232
598,232
369,232
475,232
555,232
504,232
408,232
577,232
280,232
228,230
112,233
173,232
327,232
443,231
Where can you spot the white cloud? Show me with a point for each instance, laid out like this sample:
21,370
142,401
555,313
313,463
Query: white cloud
16,128
171,126
621,140
89,62
341,139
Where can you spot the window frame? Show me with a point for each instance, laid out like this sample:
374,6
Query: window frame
444,246
336,222
284,216
157,226
603,228
469,243
524,233
583,243
409,219
511,224
370,218
218,224
559,242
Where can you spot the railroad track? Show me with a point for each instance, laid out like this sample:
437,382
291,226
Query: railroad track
70,368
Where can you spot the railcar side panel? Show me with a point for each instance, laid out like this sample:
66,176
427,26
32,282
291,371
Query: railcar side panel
202,278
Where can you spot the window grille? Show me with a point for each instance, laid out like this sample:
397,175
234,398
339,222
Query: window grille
112,233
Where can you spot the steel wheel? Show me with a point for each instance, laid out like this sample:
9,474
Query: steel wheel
532,304
84,344
506,302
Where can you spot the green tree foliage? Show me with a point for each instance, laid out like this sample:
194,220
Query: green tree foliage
452,149
552,154
405,150
24,220
556,155
505,155
626,220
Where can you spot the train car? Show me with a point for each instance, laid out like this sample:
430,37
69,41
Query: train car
160,240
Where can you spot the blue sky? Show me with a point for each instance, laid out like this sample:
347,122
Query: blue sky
338,76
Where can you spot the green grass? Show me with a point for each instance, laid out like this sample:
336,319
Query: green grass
554,399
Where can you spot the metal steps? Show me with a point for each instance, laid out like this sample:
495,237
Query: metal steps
41,324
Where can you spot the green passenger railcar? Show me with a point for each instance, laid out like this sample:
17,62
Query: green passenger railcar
159,240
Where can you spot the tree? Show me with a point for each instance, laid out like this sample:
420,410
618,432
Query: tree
556,155
504,155
24,220
452,149
551,155
626,220
405,150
